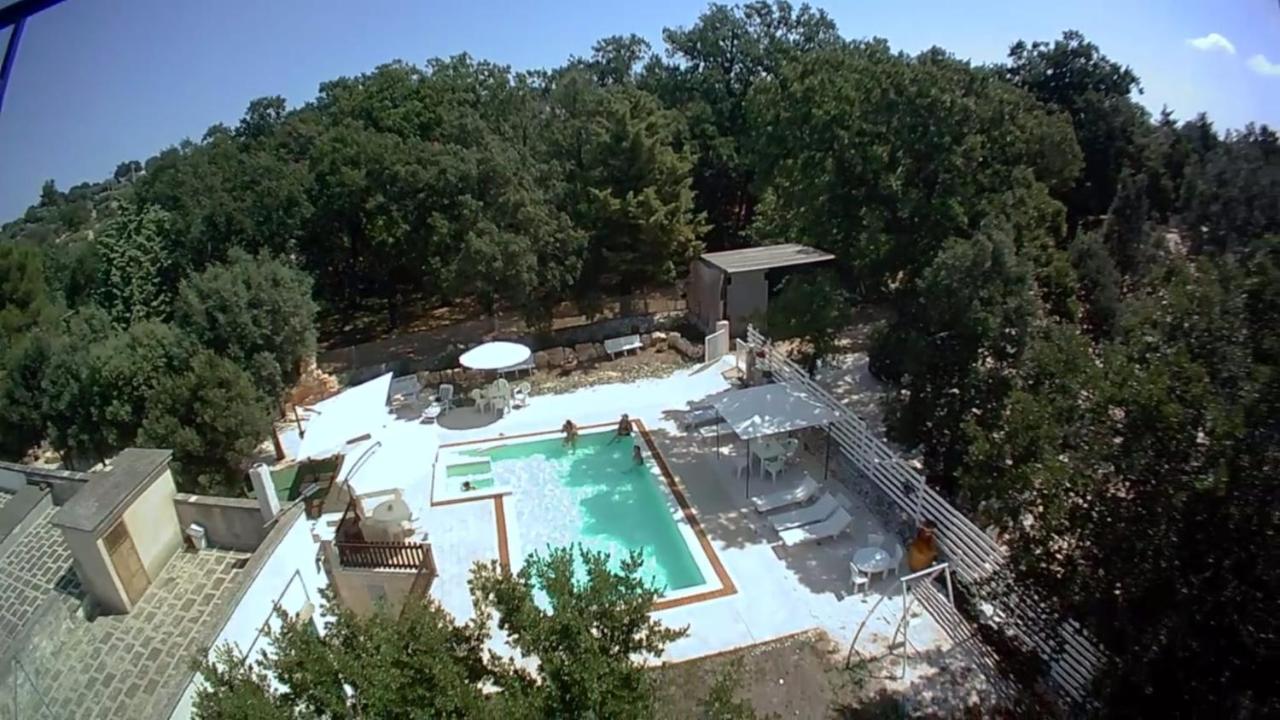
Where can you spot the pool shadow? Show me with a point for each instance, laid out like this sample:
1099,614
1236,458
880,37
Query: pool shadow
466,418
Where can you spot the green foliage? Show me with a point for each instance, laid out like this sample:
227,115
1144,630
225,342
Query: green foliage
813,308
256,312
953,349
24,298
589,634
1099,284
213,419
587,626
1071,74
884,171
135,270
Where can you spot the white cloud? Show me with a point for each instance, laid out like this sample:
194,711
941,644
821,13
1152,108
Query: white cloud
1213,42
1261,65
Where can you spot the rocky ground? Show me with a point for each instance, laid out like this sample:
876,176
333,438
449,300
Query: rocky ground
801,676
647,363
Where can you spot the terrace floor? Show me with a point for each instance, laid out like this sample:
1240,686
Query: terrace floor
779,591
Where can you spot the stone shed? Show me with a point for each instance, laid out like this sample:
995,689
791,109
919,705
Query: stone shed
734,285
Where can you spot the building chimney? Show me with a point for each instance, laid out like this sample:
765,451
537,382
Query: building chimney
268,503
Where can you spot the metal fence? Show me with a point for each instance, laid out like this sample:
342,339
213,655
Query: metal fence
1069,655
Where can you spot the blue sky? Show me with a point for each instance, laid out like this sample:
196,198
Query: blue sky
100,81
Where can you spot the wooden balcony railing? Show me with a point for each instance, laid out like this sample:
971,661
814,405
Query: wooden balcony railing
383,555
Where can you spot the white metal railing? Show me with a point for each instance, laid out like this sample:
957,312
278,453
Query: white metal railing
973,555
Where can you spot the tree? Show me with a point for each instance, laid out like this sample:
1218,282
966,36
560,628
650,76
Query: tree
1099,284
638,208
884,171
716,63
953,348
24,296
127,170
813,309
589,637
135,267
256,312
213,419
1072,75
1125,232
50,196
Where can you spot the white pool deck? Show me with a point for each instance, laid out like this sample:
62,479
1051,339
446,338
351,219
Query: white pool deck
780,591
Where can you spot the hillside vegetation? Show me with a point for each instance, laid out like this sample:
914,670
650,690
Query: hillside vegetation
1084,351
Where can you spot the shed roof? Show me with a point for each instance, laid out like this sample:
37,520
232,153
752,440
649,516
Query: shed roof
108,491
766,258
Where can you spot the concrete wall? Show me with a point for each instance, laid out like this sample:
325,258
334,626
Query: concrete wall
746,299
365,592
96,572
153,524
24,509
289,578
231,523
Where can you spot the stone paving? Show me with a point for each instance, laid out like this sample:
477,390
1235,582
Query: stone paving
40,563
75,665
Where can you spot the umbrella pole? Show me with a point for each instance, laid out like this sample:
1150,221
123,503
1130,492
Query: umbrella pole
748,468
826,460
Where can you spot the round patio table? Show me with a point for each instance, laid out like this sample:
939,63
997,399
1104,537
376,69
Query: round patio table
871,560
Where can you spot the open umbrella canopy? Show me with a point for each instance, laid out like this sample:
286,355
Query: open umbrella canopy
498,355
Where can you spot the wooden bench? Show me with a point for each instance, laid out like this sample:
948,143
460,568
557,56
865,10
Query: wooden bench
613,346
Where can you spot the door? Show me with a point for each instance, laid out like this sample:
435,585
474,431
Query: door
125,559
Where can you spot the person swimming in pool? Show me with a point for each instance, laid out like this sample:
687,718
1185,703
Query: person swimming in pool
635,454
624,428
570,431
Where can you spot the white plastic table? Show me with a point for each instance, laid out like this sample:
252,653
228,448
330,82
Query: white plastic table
872,560
767,450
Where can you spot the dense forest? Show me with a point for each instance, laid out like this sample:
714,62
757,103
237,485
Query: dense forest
1084,347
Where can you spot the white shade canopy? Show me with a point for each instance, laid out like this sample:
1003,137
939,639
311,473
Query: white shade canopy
771,409
356,411
498,355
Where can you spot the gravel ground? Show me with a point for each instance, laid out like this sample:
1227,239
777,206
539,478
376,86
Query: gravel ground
801,676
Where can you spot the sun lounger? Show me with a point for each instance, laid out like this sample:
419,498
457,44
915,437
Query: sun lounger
782,498
839,522
806,515
699,416
613,346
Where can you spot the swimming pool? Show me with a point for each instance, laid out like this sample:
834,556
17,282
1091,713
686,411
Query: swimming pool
594,495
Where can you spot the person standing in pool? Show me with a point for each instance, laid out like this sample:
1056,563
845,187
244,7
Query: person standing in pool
570,431
635,454
624,428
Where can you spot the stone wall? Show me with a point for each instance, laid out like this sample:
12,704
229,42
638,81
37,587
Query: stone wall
445,355
566,357
229,523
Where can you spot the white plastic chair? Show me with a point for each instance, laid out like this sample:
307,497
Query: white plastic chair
790,449
773,466
739,462
481,400
859,581
446,396
521,394
895,554
875,540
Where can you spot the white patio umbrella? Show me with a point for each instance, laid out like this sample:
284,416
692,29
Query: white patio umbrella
498,355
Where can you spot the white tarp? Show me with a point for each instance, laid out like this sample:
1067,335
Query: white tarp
354,412
498,355
771,409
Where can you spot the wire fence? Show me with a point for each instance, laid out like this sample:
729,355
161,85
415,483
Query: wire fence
1070,658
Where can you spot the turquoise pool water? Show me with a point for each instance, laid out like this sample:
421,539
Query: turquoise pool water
596,496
